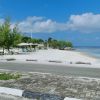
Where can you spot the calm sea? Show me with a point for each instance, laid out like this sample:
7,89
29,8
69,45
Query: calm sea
93,51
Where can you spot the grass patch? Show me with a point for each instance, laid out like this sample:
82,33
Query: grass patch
8,76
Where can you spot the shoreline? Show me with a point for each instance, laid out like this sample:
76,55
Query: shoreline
86,53
54,57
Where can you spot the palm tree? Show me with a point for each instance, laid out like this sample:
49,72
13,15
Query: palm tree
16,36
49,41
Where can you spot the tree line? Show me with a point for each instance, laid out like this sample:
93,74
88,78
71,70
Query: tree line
50,42
53,43
10,37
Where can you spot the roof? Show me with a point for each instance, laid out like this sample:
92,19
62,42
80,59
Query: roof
27,44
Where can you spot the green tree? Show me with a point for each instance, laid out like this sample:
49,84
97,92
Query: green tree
8,37
1,36
6,34
26,39
16,36
54,44
40,41
69,44
50,42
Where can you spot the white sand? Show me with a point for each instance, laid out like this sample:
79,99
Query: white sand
61,56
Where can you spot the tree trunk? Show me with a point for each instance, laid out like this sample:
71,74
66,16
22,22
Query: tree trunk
3,50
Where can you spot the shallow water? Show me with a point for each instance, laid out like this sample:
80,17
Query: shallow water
92,51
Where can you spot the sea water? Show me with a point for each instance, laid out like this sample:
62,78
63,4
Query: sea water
92,51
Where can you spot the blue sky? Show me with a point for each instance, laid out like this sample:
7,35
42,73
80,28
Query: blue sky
73,20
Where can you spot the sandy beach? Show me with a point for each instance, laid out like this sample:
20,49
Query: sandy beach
53,56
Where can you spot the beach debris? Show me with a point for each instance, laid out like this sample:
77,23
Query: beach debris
55,61
79,62
31,60
10,59
71,62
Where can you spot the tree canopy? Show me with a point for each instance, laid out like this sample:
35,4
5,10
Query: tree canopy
53,43
8,37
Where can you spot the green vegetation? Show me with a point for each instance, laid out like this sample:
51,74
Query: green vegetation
7,76
26,39
10,37
58,44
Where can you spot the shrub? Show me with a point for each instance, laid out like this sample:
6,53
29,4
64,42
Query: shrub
7,76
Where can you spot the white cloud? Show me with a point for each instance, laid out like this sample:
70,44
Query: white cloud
40,24
1,21
84,23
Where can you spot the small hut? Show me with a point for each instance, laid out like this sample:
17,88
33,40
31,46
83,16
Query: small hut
27,47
